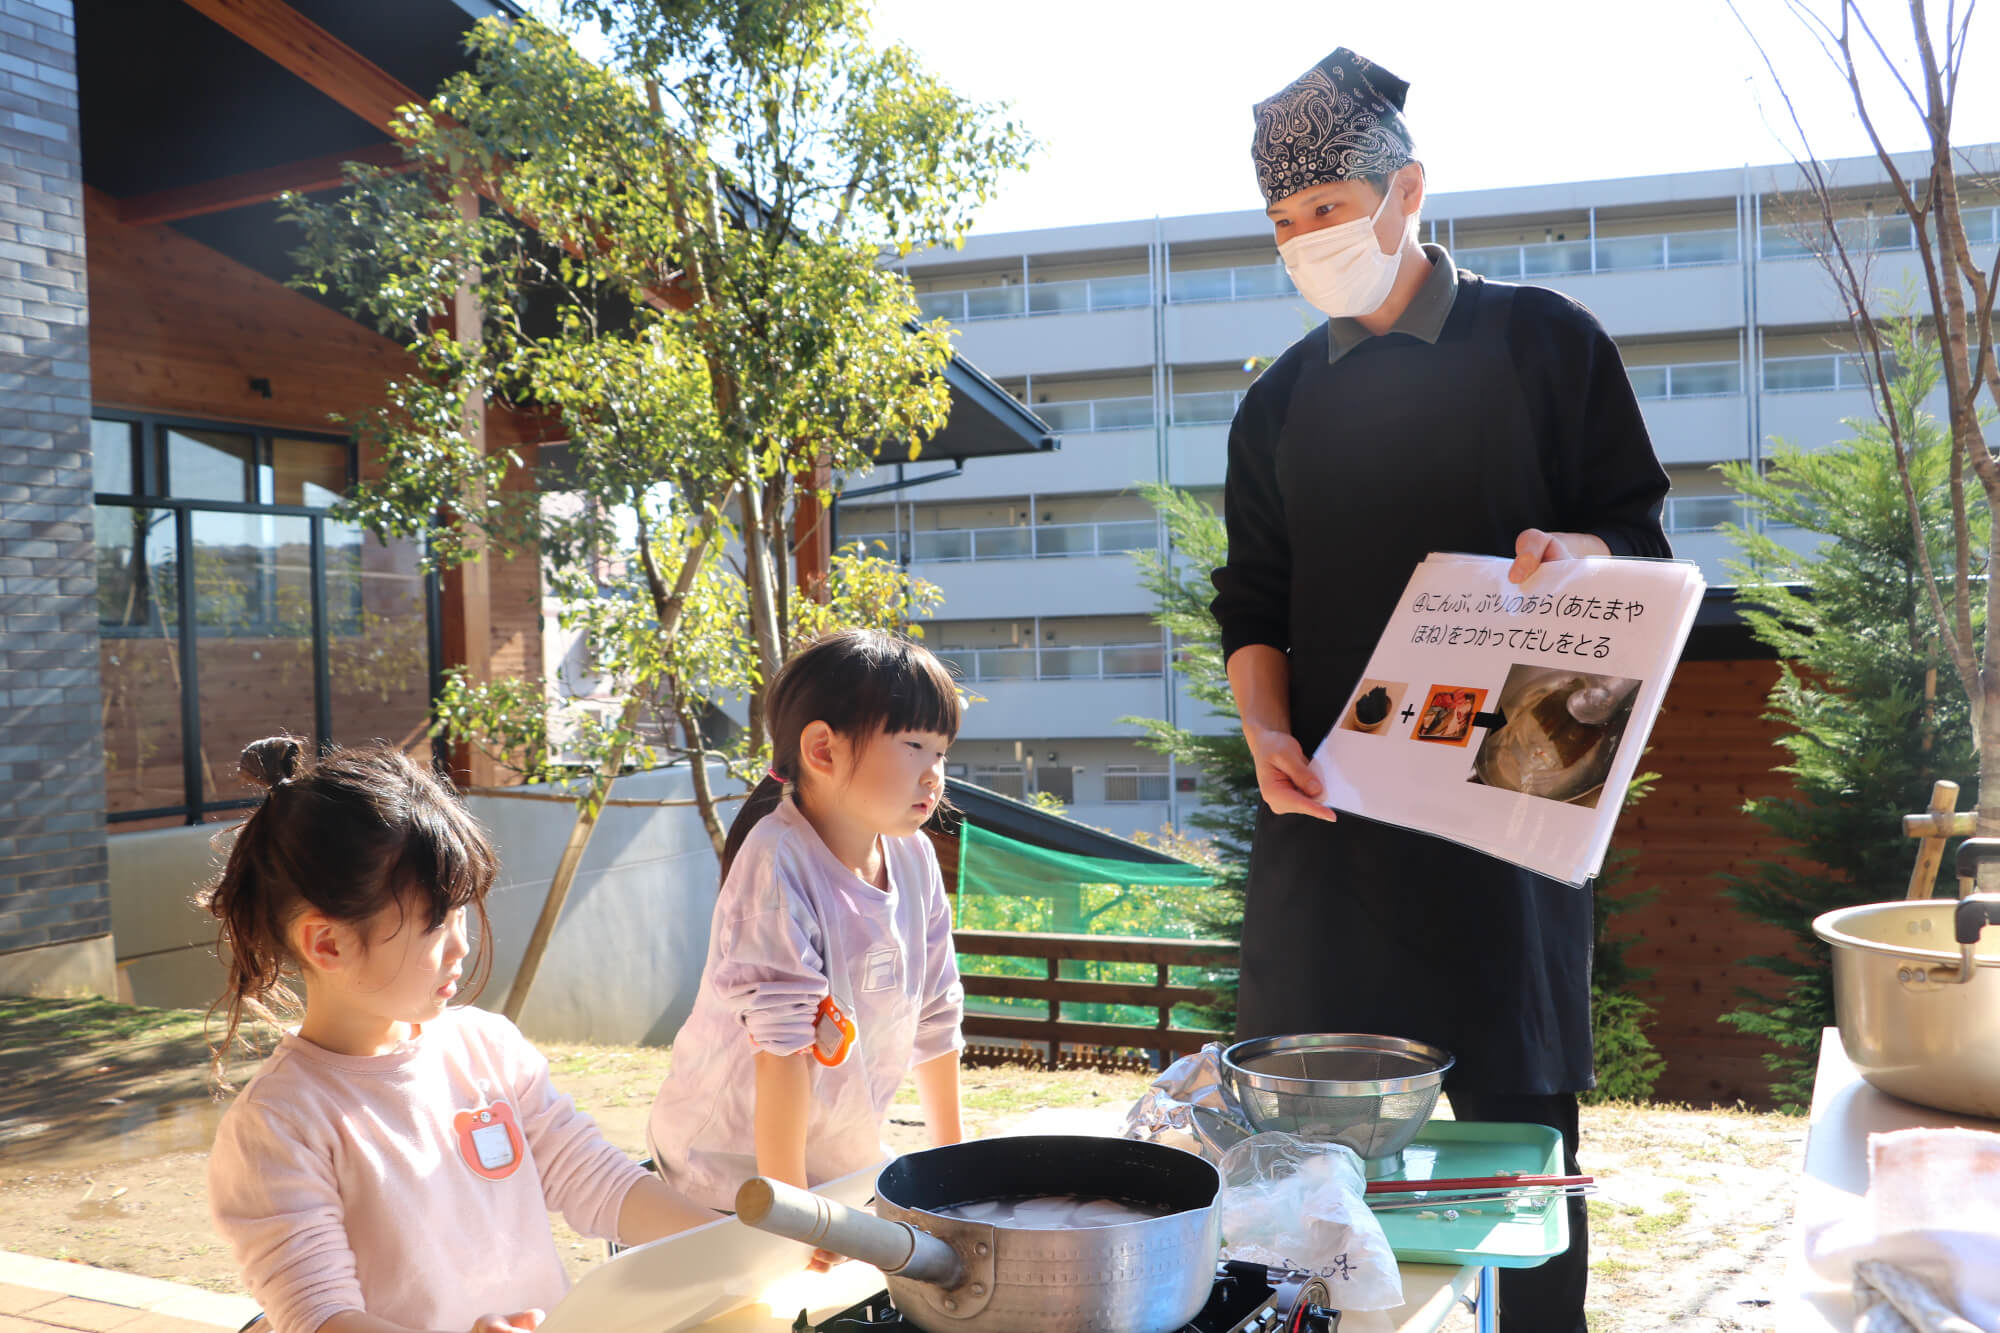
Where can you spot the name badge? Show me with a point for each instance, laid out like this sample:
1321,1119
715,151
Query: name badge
489,1140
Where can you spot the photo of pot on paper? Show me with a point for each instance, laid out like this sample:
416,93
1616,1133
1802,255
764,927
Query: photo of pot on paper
1559,732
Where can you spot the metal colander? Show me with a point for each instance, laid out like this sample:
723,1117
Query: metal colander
1371,1093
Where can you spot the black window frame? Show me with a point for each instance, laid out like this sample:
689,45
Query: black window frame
151,480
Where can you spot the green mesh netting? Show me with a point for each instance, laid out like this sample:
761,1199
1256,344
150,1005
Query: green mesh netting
1008,885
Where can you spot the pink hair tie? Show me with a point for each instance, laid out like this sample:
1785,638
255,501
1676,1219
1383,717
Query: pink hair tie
775,776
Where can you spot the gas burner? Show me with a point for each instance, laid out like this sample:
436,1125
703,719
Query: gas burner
1246,1298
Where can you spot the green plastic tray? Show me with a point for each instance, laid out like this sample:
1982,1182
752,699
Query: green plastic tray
1446,1149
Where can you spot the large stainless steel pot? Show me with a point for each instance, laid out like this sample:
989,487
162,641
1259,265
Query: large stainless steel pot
1916,993
949,1275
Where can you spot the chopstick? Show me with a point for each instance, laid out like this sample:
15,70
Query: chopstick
1542,1194
1456,1183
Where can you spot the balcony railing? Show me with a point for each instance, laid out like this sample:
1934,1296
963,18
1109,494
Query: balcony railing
1611,254
1075,296
1811,374
1251,282
1702,513
1215,407
1891,233
1696,379
1084,416
1114,661
1025,541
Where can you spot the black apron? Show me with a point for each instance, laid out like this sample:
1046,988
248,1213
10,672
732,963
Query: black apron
1399,449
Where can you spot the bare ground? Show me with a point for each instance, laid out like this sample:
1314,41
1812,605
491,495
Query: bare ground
105,1118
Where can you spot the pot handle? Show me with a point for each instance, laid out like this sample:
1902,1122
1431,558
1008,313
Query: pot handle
897,1248
1970,853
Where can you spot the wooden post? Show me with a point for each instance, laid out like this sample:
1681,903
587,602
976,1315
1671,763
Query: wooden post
812,533
1055,1013
1930,847
467,602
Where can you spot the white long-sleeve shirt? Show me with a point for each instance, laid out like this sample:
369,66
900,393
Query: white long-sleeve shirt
792,925
373,1183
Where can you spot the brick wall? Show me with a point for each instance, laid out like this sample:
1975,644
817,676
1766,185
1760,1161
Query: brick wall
52,868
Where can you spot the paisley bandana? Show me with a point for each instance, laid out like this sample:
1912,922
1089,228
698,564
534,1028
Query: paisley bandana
1340,120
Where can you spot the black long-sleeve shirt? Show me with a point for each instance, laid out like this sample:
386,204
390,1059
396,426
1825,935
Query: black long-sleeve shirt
1489,409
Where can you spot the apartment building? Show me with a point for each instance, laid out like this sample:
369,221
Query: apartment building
1135,340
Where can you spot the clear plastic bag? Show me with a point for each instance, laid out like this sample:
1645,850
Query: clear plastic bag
1303,1205
1189,1107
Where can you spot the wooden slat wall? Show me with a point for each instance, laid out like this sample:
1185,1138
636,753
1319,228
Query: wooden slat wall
1713,750
178,328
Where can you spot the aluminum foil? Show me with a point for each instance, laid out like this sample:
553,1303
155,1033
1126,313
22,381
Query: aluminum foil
1190,1107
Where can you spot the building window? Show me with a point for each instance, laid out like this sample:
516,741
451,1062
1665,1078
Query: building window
232,607
1126,783
1058,781
1006,779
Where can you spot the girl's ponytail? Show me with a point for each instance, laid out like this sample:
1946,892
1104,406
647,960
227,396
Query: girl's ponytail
763,799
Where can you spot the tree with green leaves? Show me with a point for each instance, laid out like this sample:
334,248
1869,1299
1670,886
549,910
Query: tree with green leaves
1872,710
676,264
1901,72
1177,577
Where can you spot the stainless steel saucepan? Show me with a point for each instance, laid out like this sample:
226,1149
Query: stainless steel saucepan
1916,992
952,1275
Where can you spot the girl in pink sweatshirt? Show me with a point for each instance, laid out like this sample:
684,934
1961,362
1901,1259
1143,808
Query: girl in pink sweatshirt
830,974
392,1165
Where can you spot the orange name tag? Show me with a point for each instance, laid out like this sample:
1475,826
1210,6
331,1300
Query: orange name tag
833,1034
489,1139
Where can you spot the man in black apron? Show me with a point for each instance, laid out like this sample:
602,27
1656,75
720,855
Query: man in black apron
1434,411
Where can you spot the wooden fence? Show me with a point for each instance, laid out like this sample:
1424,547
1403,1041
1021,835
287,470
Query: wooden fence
1054,1032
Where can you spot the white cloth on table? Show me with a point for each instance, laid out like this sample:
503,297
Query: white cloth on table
1923,1249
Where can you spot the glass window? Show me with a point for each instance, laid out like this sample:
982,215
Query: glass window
139,659
309,472
1123,784
378,640
1007,779
211,465
253,608
113,450
942,305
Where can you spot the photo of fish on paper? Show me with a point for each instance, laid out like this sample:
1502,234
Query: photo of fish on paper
1557,733
1450,715
1374,705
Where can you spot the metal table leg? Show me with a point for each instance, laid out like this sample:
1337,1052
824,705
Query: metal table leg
1486,1309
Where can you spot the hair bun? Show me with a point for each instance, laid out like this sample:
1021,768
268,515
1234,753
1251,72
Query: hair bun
270,761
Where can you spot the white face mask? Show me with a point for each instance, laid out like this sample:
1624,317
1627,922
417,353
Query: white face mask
1341,270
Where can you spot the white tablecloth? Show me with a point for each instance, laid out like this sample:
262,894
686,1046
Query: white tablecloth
1429,1291
1845,1111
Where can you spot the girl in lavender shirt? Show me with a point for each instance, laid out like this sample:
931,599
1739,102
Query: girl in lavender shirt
393,1163
830,973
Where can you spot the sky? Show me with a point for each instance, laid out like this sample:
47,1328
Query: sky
1143,106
